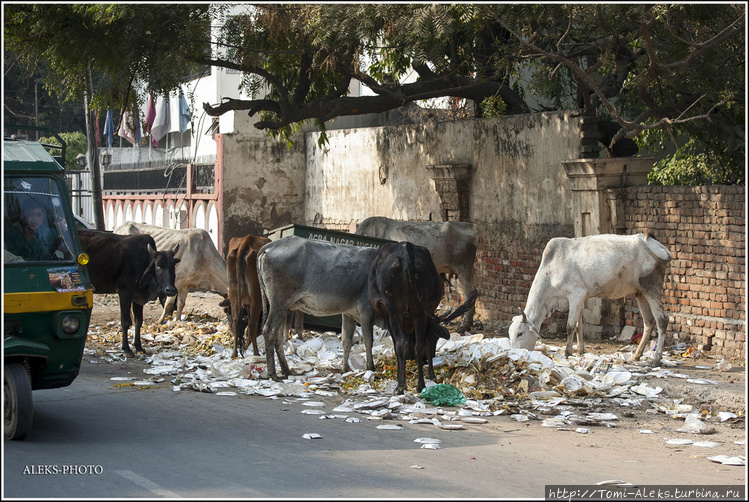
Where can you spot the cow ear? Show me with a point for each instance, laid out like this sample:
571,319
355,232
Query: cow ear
177,260
533,328
147,275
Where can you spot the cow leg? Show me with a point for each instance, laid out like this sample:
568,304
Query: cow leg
126,321
254,335
280,341
430,365
296,319
253,326
653,315
466,285
399,342
168,303
254,310
271,328
347,339
181,299
574,321
419,339
580,342
430,349
238,328
138,318
661,319
367,329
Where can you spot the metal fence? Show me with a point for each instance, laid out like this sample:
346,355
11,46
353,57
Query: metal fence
79,188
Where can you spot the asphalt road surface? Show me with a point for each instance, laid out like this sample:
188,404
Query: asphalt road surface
98,439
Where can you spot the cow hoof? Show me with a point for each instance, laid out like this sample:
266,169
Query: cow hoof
399,390
128,352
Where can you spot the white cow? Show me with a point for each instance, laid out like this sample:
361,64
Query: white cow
603,266
201,267
452,244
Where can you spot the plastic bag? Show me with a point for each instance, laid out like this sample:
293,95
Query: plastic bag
440,394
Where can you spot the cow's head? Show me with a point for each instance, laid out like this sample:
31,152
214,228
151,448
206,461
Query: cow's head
161,271
523,333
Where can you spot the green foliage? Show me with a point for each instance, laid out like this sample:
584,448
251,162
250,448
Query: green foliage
75,143
678,68
131,45
688,166
493,106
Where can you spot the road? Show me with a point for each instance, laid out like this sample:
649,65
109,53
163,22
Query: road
100,439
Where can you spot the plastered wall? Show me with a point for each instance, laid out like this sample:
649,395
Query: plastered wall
519,195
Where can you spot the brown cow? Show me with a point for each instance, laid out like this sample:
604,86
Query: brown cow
244,291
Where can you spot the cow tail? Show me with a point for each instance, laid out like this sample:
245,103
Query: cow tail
409,266
263,294
410,270
452,314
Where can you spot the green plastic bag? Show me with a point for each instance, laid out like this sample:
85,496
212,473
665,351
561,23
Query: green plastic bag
443,394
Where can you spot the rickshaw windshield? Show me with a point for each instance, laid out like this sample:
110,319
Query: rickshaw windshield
35,222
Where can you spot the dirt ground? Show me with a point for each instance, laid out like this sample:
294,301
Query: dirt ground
727,395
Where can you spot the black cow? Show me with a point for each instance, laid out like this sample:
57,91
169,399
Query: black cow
130,266
404,290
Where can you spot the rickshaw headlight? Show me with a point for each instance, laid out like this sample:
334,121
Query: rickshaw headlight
71,324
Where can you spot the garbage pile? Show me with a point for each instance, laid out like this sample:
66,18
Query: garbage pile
490,377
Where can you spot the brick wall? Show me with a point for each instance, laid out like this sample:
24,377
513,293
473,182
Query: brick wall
705,284
506,263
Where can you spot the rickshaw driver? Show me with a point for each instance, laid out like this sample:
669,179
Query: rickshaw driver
34,239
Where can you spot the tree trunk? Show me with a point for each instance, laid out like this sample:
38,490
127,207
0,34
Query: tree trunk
93,155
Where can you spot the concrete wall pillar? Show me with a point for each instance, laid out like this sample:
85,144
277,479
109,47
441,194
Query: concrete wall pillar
598,201
452,182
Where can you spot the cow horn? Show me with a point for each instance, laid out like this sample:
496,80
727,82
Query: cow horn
151,250
176,247
523,312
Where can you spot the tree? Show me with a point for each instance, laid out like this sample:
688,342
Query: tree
130,45
75,143
667,74
661,72
28,102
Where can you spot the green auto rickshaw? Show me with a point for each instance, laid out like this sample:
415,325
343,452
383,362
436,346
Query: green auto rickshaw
46,289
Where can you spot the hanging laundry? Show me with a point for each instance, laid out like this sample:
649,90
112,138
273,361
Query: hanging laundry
138,133
109,129
130,127
150,114
184,113
162,121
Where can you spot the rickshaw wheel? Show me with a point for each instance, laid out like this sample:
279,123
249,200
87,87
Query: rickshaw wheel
19,407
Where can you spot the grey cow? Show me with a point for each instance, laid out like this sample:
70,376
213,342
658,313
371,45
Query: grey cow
320,279
452,244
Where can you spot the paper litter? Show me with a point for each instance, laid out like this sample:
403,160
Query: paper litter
495,379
